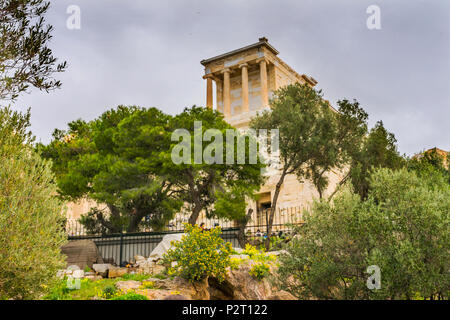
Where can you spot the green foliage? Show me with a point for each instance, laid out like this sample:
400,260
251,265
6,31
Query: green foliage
199,254
134,276
59,291
402,227
148,285
115,160
260,270
109,291
251,251
432,166
31,219
378,150
90,289
87,269
258,255
25,58
306,136
124,159
130,296
220,189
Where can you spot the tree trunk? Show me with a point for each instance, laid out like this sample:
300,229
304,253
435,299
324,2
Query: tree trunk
272,209
194,216
242,224
135,220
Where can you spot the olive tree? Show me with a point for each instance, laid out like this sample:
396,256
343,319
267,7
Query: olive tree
31,219
402,227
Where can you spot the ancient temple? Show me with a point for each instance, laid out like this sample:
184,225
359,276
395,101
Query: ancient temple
244,80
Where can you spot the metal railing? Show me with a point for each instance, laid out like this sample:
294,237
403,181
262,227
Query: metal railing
120,248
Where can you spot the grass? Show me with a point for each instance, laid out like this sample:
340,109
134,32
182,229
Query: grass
90,289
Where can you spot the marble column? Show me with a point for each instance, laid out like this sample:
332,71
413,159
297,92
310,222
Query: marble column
226,93
219,95
244,69
264,84
209,92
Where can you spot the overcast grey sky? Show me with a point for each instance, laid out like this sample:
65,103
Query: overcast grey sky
147,53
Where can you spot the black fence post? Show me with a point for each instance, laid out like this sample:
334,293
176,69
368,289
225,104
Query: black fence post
121,249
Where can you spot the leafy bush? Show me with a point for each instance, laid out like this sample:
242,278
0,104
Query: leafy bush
199,254
130,296
251,251
260,270
31,221
257,255
235,263
403,228
59,291
109,292
148,285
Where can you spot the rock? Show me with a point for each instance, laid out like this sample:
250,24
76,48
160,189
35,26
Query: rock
175,297
73,268
240,285
177,286
78,274
127,285
87,274
238,250
115,272
165,245
138,258
144,263
150,268
101,269
82,253
282,295
159,283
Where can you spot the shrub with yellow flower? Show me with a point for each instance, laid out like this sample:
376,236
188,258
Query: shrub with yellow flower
199,254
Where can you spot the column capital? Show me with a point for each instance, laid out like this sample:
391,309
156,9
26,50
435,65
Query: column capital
259,60
242,65
226,70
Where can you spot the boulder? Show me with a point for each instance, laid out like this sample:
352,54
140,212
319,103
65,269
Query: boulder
282,295
101,269
150,268
127,285
240,285
164,246
73,268
177,287
139,259
81,253
115,272
78,274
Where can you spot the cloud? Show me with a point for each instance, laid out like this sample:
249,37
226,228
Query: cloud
147,53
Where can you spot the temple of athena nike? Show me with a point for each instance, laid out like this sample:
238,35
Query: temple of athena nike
240,83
